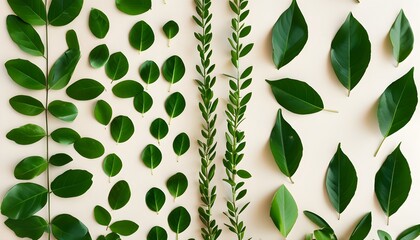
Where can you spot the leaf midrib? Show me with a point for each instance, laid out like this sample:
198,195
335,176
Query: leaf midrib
300,99
396,108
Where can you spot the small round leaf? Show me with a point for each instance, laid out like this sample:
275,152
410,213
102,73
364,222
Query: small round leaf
127,89
149,72
170,29
102,216
112,165
155,199
89,148
143,102
157,233
117,66
122,128
65,136
119,195
173,69
177,184
159,129
151,156
99,56
179,220
124,227
103,112
60,159
181,144
85,89
175,105
98,23
134,7
141,36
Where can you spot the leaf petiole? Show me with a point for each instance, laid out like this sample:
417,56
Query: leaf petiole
380,145
331,111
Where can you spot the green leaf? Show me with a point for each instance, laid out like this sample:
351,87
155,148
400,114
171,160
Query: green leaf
402,37
102,216
117,66
177,184
98,23
315,218
296,96
65,111
30,168
112,165
179,220
89,148
63,69
289,35
340,181
393,182
23,200
67,227
181,144
122,128
32,227
26,105
175,105
151,156
119,195
286,146
85,89
124,227
65,136
170,29
410,233
99,56
141,36
72,183
149,72
155,199
363,228
26,134
25,36
325,234
384,235
157,233
143,102
112,236
26,74
159,129
133,7
243,174
30,11
103,112
127,89
72,40
173,69
284,211
350,53
60,159
63,12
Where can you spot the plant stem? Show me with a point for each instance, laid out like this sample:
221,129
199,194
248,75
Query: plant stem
329,110
291,180
380,145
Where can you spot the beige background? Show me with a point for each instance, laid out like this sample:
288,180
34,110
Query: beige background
355,126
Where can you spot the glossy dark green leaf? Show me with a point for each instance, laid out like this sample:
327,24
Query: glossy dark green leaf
63,12
149,72
181,144
26,74
363,228
402,37
133,7
62,110
119,195
33,227
289,35
72,183
31,11
72,40
65,136
89,148
179,220
159,129
99,56
283,211
116,66
155,199
170,29
124,227
26,105
85,89
173,69
127,89
341,180
157,233
393,182
26,134
286,146
177,184
143,102
25,36
98,23
67,227
63,69
296,96
103,112
141,36
112,165
122,128
175,105
102,216
23,200
60,159
87,236
30,168
410,233
315,218
112,236
384,235
350,53
151,156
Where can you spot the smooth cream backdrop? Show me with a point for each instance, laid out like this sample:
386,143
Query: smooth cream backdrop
355,126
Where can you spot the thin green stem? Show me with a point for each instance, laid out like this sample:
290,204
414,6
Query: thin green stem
380,145
329,110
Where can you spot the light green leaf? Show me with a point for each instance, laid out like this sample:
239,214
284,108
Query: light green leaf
363,228
149,72
26,134
65,136
72,183
99,56
157,233
141,36
384,235
30,168
112,165
134,7
65,111
175,105
60,159
155,199
179,220
89,148
63,12
67,227
173,69
127,89
102,216
151,156
284,211
119,195
410,233
85,89
63,69
124,227
159,129
122,128
26,74
98,23
30,11
402,37
117,66
103,112
33,227
177,184
143,102
181,144
325,234
25,36
26,105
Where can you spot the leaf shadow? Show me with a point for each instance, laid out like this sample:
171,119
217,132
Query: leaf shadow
370,117
387,48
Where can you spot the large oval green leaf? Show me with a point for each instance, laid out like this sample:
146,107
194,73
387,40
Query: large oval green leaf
286,146
33,227
67,227
63,69
103,112
177,184
26,105
157,233
124,227
283,211
65,136
60,159
141,36
393,182
151,156
112,165
143,102
116,66
127,89
122,128
402,37
62,110
155,199
85,89
26,134
89,148
179,220
181,144
63,12
26,74
289,35
30,168
362,229
102,216
159,129
99,56
30,11
175,105
410,233
341,180
25,36
134,7
173,69
119,195
23,200
98,23
350,53
72,183
149,72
